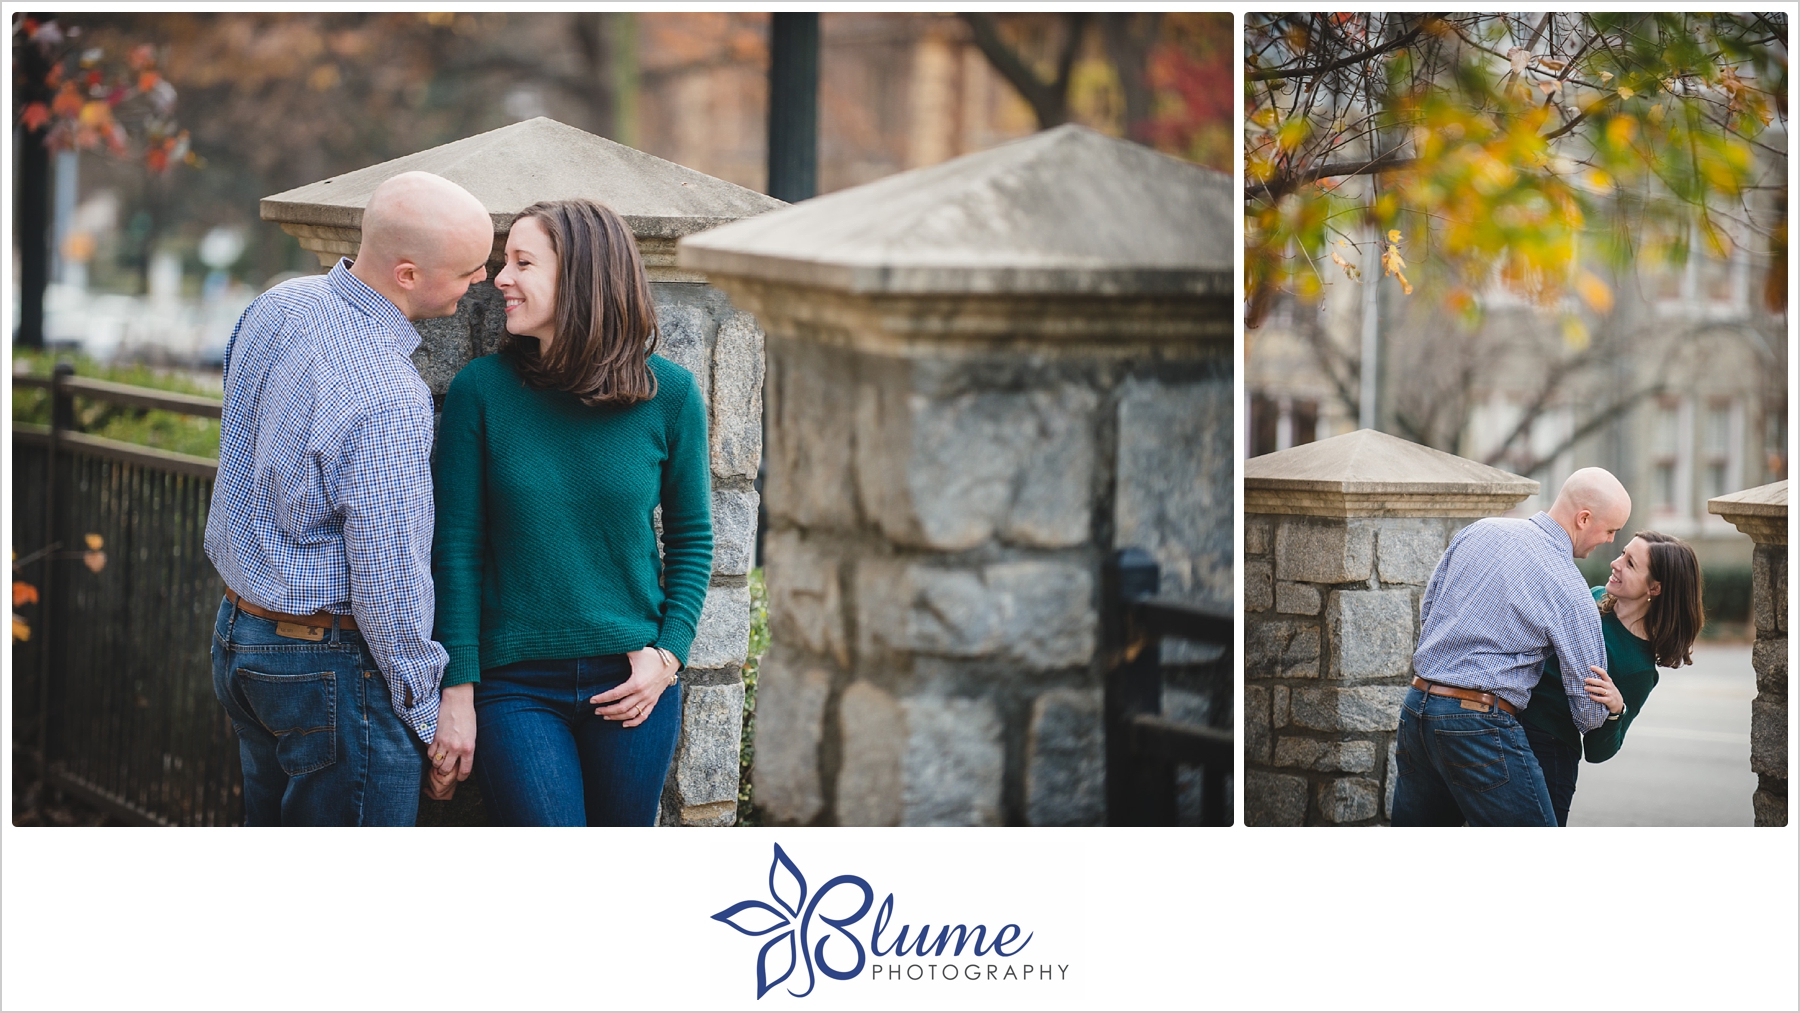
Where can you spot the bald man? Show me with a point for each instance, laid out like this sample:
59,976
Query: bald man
321,524
1504,596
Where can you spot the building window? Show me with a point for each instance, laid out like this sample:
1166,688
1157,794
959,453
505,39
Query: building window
1671,444
1724,435
1278,422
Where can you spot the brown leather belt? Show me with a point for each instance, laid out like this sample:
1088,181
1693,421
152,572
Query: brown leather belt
314,625
1457,692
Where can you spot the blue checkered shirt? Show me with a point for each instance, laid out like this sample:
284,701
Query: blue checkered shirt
1504,596
323,499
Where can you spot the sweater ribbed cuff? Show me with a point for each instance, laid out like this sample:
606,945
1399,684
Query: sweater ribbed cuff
676,638
465,666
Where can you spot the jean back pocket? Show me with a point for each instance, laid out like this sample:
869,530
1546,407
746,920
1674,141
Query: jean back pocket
300,711
1474,760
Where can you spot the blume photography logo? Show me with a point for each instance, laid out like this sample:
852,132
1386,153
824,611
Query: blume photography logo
817,933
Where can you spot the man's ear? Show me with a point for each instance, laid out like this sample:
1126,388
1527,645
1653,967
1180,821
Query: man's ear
1583,518
406,275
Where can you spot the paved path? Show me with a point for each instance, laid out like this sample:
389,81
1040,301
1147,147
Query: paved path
1686,760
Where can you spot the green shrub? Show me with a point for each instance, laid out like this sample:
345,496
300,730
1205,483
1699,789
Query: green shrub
759,645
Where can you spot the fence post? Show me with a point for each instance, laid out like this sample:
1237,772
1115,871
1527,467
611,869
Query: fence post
62,416
1138,788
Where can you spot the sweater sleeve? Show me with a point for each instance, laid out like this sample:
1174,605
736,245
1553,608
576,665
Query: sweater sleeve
1604,742
458,472
687,522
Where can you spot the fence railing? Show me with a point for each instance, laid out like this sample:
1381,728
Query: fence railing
1143,747
113,697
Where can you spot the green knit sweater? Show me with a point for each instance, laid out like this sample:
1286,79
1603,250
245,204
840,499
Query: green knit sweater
545,547
1631,664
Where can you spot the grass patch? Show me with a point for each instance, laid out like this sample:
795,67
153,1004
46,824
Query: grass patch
184,434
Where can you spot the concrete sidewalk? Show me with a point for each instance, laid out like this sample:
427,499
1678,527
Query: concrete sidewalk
1686,760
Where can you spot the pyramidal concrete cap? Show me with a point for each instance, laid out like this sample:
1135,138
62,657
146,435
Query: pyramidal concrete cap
515,166
1371,474
1067,210
1761,512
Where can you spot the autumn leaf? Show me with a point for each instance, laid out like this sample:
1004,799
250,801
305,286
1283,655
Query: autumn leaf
1392,263
35,116
1596,293
94,561
94,541
21,628
1518,57
24,594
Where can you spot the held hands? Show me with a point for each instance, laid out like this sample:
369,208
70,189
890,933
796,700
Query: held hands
1601,690
652,671
452,751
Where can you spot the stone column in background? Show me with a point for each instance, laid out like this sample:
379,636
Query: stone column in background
1340,538
983,376
1762,514
512,168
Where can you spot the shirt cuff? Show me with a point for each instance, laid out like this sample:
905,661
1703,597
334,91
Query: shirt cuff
676,638
464,667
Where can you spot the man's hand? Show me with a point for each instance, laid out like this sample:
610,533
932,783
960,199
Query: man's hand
452,752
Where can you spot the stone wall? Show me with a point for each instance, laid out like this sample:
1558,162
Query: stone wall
1768,712
723,347
1330,619
936,528
1331,611
1761,513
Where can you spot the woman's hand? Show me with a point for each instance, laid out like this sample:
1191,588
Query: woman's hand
1601,690
452,750
631,701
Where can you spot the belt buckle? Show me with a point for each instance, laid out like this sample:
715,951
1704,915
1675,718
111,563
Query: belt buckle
298,632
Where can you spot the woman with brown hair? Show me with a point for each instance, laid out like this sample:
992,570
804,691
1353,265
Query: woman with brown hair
552,460
1650,615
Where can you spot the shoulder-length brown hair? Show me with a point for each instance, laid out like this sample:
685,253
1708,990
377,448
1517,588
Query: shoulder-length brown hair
1674,618
605,320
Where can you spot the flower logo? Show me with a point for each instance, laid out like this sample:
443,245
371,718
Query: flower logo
791,915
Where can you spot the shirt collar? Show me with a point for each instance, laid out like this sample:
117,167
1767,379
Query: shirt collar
352,290
1547,524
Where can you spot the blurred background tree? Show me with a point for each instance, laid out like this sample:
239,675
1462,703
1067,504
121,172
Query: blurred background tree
1494,140
275,100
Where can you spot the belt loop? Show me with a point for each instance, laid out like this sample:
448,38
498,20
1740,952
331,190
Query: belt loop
231,624
334,629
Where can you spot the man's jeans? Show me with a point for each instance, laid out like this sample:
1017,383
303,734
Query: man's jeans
320,742
547,760
1465,766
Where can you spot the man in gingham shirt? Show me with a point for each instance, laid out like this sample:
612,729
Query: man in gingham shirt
1505,594
321,523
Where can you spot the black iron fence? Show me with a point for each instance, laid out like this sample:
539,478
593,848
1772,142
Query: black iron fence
1143,747
112,692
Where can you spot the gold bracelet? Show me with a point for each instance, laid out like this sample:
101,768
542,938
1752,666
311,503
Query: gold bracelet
669,658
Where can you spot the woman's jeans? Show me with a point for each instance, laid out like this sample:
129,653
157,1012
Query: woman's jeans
317,733
1459,765
545,759
1561,765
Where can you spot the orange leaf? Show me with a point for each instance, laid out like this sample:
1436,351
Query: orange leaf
94,541
24,594
35,116
21,628
67,101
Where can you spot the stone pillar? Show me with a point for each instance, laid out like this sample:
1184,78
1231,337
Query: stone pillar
1762,514
540,159
983,376
1340,538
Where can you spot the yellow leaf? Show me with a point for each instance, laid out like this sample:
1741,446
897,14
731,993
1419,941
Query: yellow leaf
95,542
1518,57
1625,93
1594,292
21,628
1574,333
1605,76
1350,270
1393,235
